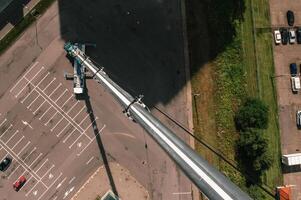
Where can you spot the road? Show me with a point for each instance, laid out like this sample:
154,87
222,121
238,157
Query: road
58,141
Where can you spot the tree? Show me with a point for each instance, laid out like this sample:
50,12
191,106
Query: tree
255,192
253,114
252,148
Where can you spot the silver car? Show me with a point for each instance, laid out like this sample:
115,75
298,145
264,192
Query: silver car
292,35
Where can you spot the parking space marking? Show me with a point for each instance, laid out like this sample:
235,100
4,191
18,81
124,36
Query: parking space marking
67,100
4,156
30,153
63,129
51,118
33,102
55,90
38,107
71,180
85,118
23,148
3,122
29,81
18,142
47,85
36,159
45,111
13,171
12,136
61,183
79,112
32,188
61,95
89,160
42,165
50,186
23,75
6,130
68,136
48,171
56,124
73,106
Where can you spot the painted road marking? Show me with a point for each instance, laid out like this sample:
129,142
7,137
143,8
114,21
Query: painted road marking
3,122
18,142
68,136
36,159
6,131
71,180
24,75
32,102
26,124
61,95
30,153
50,186
47,171
84,118
68,192
79,112
61,183
13,171
55,90
51,118
67,101
47,85
45,111
39,107
23,148
12,136
64,129
72,106
42,165
56,124
89,160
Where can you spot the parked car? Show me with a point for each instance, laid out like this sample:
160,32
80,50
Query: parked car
284,35
277,37
290,17
292,36
19,183
4,164
293,69
298,119
299,35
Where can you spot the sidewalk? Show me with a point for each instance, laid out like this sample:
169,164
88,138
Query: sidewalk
26,9
98,184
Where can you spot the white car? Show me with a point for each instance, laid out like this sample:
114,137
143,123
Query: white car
292,35
277,36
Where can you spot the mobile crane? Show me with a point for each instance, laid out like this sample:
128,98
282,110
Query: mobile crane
208,179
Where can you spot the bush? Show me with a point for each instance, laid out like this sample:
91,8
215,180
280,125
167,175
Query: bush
252,148
253,114
255,192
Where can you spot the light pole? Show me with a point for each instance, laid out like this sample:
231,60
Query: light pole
196,107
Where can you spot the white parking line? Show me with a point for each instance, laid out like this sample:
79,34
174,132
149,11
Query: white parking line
29,81
24,75
6,131
63,130
23,148
72,107
89,160
3,122
39,107
18,142
68,136
84,118
61,183
56,124
90,124
33,101
28,180
30,153
71,180
55,90
42,165
61,95
35,87
48,171
13,171
47,85
51,118
67,101
50,185
4,156
12,136
45,112
36,159
79,112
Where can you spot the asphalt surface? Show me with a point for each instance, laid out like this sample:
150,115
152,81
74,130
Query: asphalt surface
288,102
58,141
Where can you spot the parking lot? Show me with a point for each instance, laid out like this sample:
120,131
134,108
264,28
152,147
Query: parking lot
55,106
288,102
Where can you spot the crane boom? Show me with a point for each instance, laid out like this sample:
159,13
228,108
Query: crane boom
208,179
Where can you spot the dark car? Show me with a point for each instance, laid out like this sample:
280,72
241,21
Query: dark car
290,18
298,35
19,183
293,69
5,163
284,35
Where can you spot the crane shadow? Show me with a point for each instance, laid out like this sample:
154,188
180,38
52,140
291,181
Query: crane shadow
85,97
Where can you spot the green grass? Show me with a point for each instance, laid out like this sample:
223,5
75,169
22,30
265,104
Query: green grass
24,23
244,68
